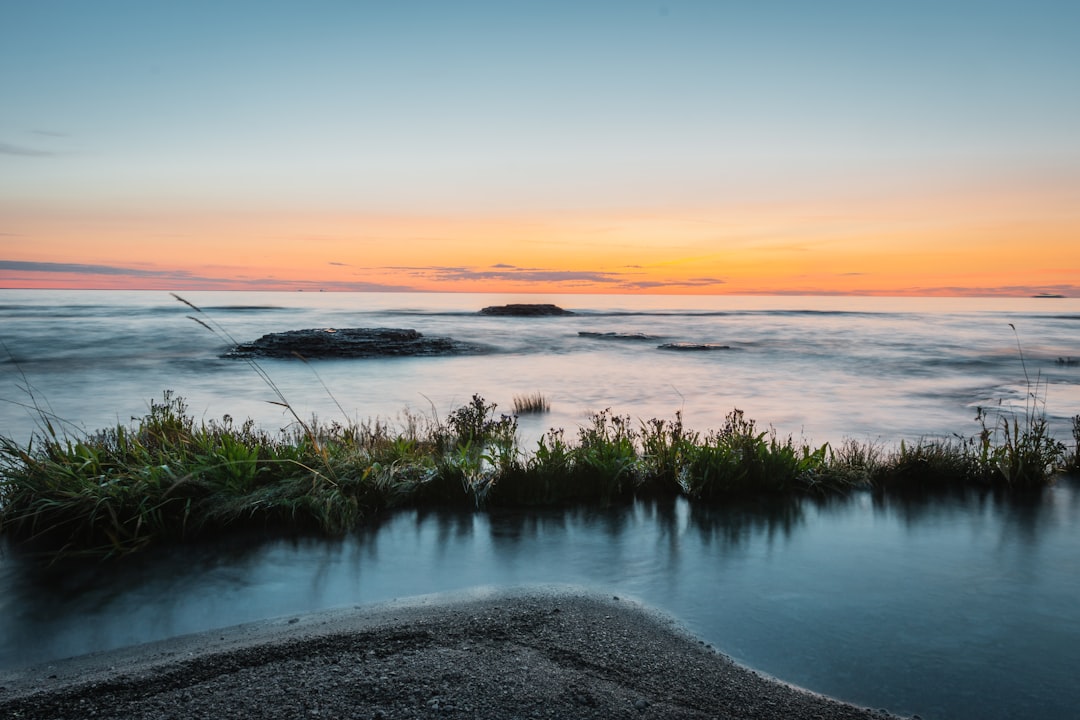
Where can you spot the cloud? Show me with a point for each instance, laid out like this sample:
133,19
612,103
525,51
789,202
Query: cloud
568,278
345,286
1067,290
653,284
81,269
338,264
174,279
22,151
516,274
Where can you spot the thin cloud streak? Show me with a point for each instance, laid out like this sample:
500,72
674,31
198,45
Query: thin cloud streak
183,279
503,272
82,269
22,151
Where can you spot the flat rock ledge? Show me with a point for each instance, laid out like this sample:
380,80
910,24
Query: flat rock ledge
526,310
510,655
350,343
615,336
693,347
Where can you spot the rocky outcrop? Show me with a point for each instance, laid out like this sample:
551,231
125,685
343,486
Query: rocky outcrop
615,336
350,343
525,310
693,347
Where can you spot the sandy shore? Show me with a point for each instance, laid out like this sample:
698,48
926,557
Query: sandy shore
534,654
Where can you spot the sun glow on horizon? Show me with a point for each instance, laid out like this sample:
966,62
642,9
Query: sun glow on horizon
951,246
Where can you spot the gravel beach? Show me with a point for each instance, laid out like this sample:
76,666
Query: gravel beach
524,654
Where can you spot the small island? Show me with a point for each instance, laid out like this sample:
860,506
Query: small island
526,310
350,343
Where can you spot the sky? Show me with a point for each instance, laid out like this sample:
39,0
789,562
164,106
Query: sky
679,147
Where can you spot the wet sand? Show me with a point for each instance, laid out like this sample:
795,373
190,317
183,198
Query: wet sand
517,654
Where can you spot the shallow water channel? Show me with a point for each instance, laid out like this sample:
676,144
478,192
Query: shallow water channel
951,607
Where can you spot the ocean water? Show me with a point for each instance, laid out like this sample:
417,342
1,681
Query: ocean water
951,608
822,368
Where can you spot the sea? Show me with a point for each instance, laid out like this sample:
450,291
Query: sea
823,369
952,607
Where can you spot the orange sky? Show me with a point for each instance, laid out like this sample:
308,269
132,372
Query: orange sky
1003,245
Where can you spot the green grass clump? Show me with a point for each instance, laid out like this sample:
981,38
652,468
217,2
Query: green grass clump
928,465
168,478
740,460
666,447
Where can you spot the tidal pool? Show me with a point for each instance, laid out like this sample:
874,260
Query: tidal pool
951,607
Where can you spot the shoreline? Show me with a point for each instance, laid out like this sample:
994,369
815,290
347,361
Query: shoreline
485,654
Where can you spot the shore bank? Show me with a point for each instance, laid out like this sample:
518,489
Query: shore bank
517,654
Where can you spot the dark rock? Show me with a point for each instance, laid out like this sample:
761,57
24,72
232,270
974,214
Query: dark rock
350,343
525,310
615,336
693,347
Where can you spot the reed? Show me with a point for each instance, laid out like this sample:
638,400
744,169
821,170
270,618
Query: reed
532,404
1073,465
1019,450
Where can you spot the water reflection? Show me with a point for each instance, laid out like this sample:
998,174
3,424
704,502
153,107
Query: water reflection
733,525
1020,516
956,606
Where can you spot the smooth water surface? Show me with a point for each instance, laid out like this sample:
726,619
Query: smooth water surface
951,608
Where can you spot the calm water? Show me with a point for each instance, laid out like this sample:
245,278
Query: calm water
955,608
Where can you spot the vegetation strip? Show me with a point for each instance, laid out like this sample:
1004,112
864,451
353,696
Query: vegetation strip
168,478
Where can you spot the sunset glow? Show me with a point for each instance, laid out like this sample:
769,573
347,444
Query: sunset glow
686,149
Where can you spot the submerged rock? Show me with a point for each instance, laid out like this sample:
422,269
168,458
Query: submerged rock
614,335
693,346
350,343
525,310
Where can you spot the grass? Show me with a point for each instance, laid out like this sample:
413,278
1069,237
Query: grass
532,404
168,478
1073,464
